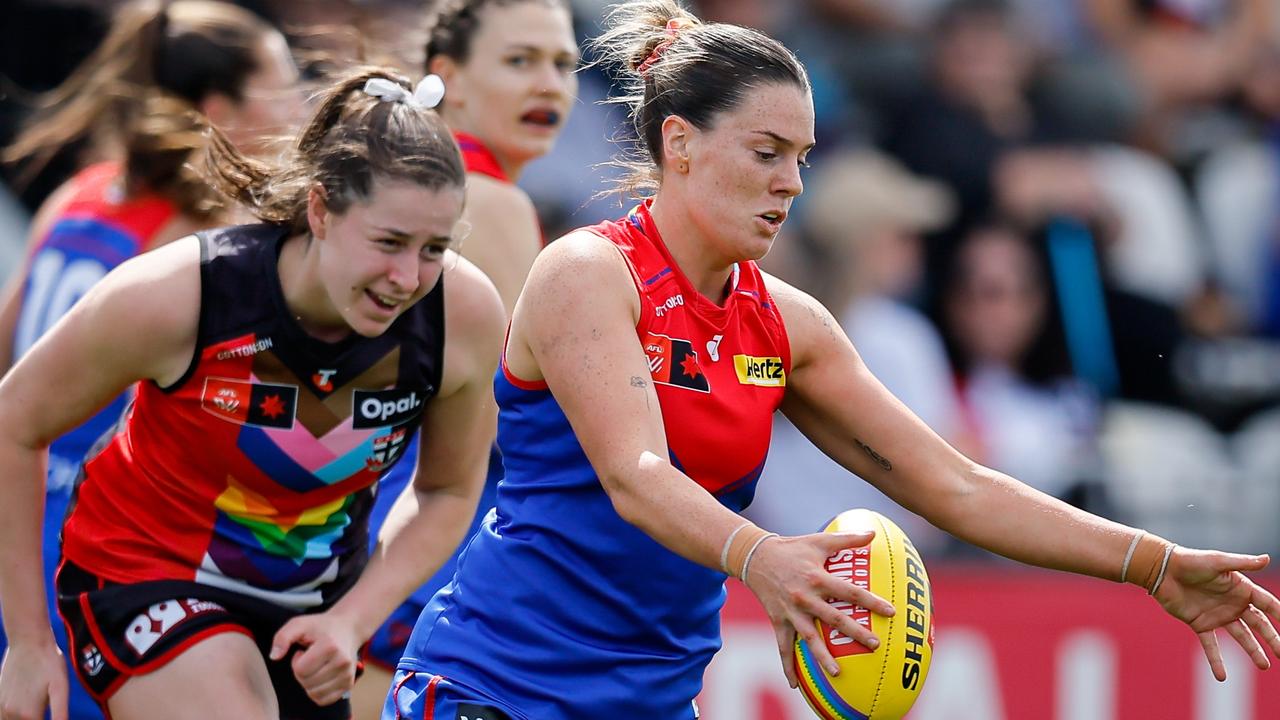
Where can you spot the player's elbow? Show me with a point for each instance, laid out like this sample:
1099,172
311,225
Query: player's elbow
625,483
621,491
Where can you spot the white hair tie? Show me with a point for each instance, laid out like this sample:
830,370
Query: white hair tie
428,93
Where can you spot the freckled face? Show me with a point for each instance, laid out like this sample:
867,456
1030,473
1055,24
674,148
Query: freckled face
745,169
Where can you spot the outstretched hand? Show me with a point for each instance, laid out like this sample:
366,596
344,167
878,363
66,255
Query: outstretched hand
789,576
1208,591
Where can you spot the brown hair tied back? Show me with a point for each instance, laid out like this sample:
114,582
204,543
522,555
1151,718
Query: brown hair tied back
671,63
352,139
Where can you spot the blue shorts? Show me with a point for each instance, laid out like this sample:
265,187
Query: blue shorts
418,696
389,640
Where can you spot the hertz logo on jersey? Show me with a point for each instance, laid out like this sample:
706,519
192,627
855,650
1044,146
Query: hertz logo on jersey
762,371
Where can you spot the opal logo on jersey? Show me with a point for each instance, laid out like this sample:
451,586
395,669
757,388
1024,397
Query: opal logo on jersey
249,403
379,408
762,371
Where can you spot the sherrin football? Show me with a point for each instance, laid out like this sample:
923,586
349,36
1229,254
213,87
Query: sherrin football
883,683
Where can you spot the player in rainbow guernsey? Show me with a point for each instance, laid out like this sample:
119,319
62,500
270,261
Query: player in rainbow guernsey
645,359
216,552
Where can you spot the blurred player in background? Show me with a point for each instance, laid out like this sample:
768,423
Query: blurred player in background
137,96
215,559
508,68
645,359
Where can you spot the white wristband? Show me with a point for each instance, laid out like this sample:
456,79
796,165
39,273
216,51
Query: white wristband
1128,557
747,563
1164,565
724,552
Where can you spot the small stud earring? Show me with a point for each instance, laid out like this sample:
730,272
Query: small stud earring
684,167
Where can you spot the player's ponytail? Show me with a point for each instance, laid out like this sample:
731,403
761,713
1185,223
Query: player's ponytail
670,63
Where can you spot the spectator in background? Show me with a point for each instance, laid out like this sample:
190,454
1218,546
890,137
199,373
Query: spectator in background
1182,55
1027,414
1238,187
1006,153
867,214
977,127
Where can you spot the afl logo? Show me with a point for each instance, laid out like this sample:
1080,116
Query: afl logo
381,408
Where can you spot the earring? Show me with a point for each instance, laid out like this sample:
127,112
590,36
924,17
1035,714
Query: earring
684,167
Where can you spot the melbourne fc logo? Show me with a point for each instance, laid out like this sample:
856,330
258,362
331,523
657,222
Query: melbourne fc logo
673,361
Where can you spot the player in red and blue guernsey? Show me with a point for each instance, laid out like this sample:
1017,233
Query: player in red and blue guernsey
215,558
111,211
644,361
509,67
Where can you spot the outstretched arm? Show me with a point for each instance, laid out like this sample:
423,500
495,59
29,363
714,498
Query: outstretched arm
836,402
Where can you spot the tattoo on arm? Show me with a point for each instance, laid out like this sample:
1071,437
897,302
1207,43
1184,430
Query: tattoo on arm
879,459
639,382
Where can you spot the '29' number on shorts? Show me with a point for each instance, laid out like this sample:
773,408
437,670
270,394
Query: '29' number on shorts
53,286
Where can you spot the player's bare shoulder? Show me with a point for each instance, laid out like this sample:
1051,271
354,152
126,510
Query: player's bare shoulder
474,320
504,224
490,198
581,260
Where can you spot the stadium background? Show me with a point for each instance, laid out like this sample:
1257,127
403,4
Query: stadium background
1114,339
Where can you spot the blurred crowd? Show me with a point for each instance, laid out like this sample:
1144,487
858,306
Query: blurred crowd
1051,228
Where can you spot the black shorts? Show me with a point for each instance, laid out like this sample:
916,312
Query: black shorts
117,631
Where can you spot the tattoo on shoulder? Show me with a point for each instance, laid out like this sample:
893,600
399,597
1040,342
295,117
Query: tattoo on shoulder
638,382
879,459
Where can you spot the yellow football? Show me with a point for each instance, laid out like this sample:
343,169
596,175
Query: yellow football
883,683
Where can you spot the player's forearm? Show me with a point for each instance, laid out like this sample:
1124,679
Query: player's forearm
22,599
415,543
672,509
998,513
